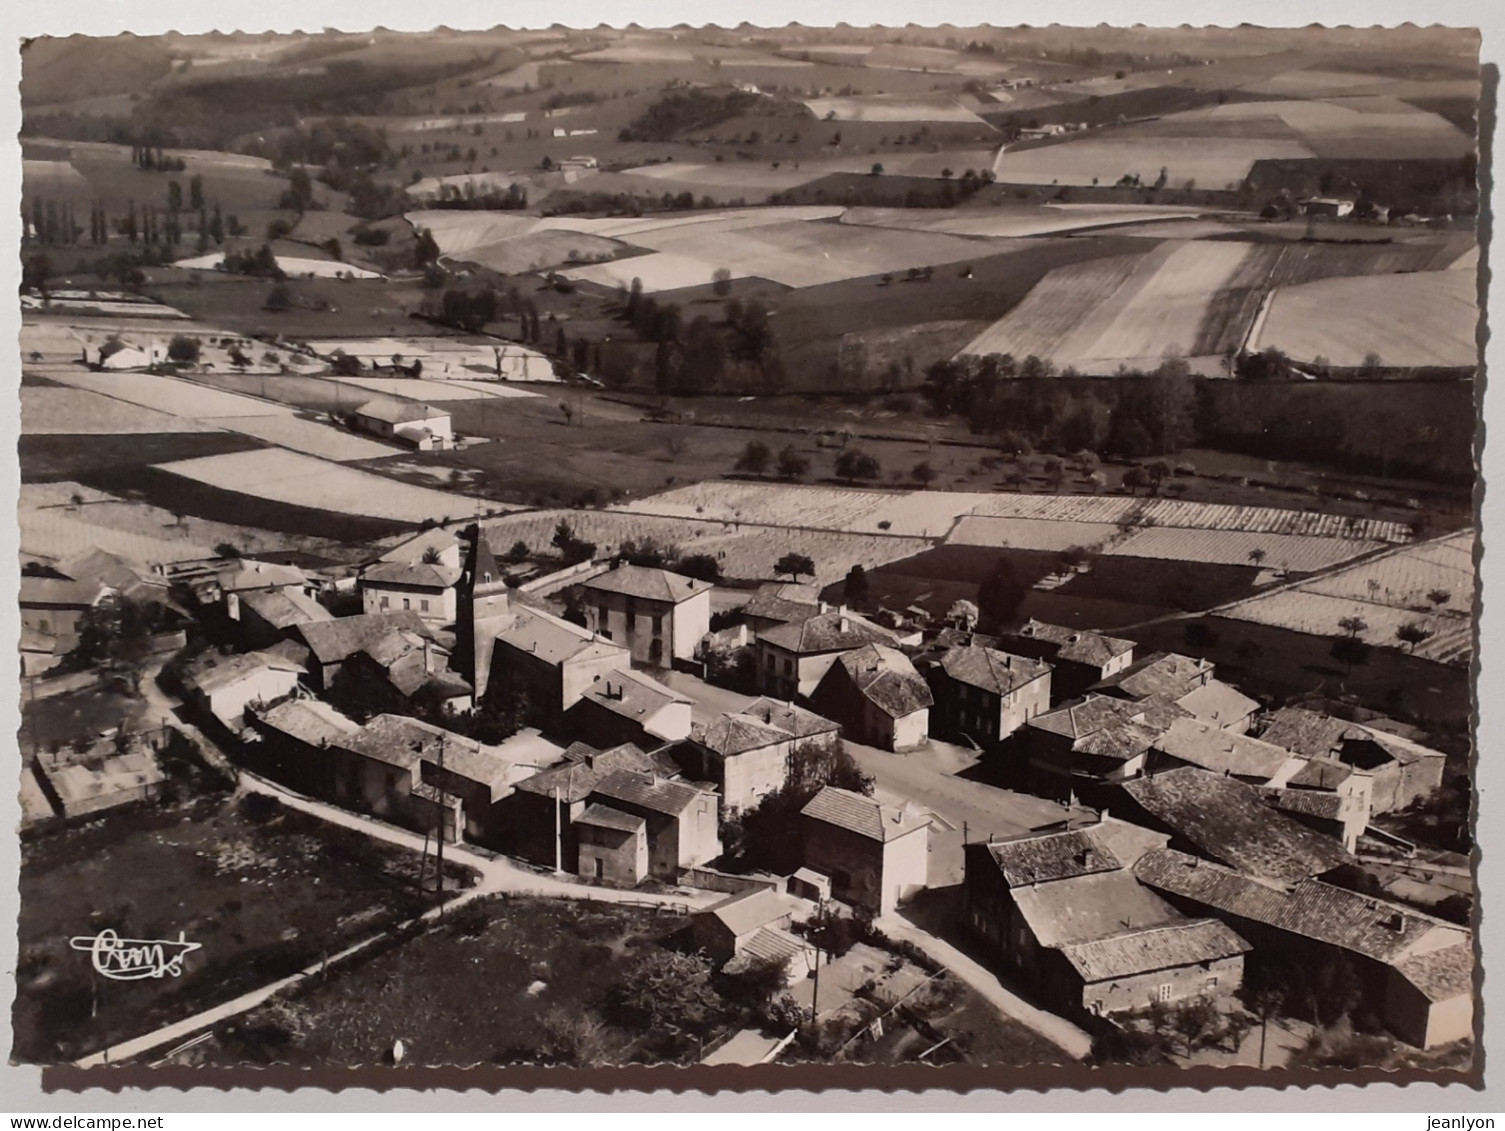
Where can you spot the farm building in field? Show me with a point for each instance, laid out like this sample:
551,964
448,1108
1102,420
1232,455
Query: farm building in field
983,695
540,813
224,686
1221,705
1094,741
1404,771
426,588
332,642
1327,206
681,828
754,925
78,787
626,706
1065,911
1228,822
658,615
550,661
876,855
747,753
55,606
1418,970
407,422
120,355
1078,658
878,697
794,657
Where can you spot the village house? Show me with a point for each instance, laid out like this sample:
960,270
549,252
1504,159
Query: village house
243,576
1331,207
221,687
876,855
549,661
270,615
658,615
1192,742
1404,771
1064,911
389,672
753,926
56,606
332,642
76,787
1161,675
1078,658
303,743
746,754
878,697
983,695
119,355
1417,969
1099,740
42,651
1227,821
778,602
681,828
612,845
425,588
626,706
418,425
1221,705
539,816
793,658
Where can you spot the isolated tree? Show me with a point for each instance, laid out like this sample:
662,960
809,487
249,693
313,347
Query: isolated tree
567,410
877,169
791,464
519,552
963,614
1000,596
1353,625
794,565
1412,634
1135,478
1439,597
755,458
183,349
855,588
702,567
853,464
1055,473
1159,471
924,474
1257,555
721,282
279,298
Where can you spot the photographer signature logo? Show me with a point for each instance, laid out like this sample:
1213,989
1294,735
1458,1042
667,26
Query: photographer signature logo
127,960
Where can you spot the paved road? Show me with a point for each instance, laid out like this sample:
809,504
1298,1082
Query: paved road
708,702
1057,1030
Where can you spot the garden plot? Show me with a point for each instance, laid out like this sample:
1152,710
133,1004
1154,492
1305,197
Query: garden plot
1419,319
1211,162
897,108
300,480
62,410
744,551
1051,535
1290,552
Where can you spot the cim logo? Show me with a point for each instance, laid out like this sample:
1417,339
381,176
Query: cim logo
127,960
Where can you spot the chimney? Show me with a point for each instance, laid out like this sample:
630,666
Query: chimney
844,625
824,608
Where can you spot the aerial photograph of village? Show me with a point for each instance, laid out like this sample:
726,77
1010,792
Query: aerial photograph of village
889,546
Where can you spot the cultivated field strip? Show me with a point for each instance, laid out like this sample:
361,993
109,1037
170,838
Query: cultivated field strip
441,390
56,532
302,480
1385,592
1294,552
66,411
1005,223
169,394
1054,307
743,551
1197,516
1050,535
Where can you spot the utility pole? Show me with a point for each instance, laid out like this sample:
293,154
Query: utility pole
820,913
439,849
558,835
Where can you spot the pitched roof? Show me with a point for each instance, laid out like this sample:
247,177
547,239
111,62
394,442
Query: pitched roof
887,679
647,583
420,574
605,817
1156,948
748,910
110,570
1077,645
79,782
1095,906
1218,703
465,757
552,639
648,790
1441,974
1305,732
1402,749
582,768
412,549
1321,773
247,573
1120,741
390,411
783,602
1167,674
1227,820
997,672
59,592
282,608
1221,751
1305,802
335,640
1035,859
826,632
769,944
310,721
212,672
731,734
1092,714
1377,929
862,815
632,695
787,717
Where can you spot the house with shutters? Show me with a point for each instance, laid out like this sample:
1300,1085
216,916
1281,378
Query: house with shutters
1078,657
747,753
549,661
627,706
679,828
878,697
792,658
658,615
983,695
875,855
1064,911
